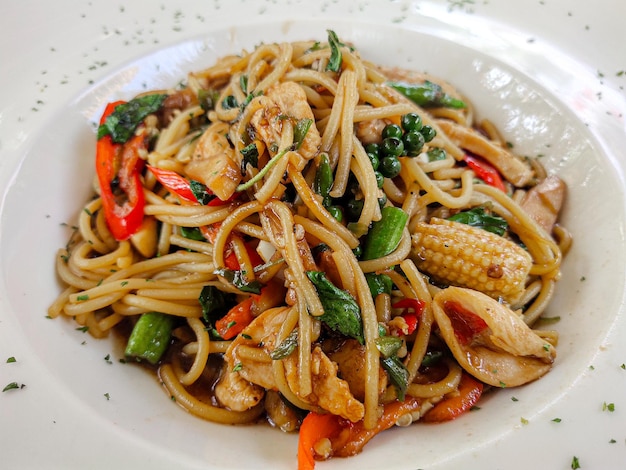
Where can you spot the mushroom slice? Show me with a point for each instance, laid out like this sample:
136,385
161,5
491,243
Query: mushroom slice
489,340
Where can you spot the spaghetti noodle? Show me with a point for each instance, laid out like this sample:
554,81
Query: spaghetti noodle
297,222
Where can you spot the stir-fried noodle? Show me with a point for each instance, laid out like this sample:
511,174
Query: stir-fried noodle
300,234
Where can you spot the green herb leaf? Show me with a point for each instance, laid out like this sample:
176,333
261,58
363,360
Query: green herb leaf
300,132
379,284
334,63
243,83
250,154
388,345
480,217
207,99
11,359
575,463
192,233
431,358
229,102
11,386
398,374
610,407
238,279
286,346
214,303
201,192
121,124
341,312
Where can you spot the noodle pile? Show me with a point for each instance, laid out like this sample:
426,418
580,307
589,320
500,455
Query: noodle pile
281,246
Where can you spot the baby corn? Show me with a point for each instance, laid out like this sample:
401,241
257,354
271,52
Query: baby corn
457,254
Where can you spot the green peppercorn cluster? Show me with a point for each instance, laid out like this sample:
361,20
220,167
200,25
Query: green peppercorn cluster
408,139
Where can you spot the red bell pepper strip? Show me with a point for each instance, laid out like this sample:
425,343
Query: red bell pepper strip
414,308
237,318
485,171
181,186
346,438
314,427
120,161
470,391
465,323
174,183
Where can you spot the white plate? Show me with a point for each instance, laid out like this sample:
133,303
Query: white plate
550,74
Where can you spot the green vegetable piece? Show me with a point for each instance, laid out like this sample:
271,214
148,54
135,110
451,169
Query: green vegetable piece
229,102
214,303
238,279
341,312
150,337
398,374
385,234
427,94
379,284
11,386
323,177
201,192
300,132
392,147
413,142
192,233
388,345
286,346
126,117
480,218
435,154
428,132
334,63
411,122
390,167
250,155
392,130
431,358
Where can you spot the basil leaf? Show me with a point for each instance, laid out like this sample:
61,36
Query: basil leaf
250,154
378,284
286,346
341,312
300,131
214,303
208,98
243,83
229,102
237,279
201,192
398,374
388,345
192,233
479,217
334,63
126,117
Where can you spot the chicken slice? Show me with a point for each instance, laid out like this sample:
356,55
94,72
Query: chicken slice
282,100
489,340
214,163
511,167
329,391
543,202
